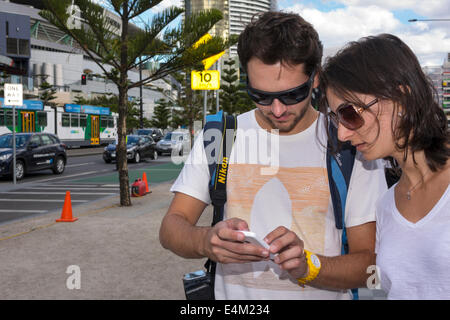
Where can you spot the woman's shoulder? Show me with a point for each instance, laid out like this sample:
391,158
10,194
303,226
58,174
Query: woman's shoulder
385,203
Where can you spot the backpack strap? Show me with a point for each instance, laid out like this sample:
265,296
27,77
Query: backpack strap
218,168
339,168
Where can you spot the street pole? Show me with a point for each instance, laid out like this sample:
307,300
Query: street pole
13,97
14,142
205,101
415,20
141,107
217,91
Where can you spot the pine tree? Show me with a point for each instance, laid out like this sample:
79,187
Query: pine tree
47,93
126,49
161,114
233,98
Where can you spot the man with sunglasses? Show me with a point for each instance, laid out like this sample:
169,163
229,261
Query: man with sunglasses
290,207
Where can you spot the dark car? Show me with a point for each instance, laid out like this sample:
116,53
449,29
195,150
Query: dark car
138,147
34,151
156,134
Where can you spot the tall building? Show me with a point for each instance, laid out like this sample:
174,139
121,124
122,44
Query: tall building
222,27
446,88
242,11
440,75
237,14
435,74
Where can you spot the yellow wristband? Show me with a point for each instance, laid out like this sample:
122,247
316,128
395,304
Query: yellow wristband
314,266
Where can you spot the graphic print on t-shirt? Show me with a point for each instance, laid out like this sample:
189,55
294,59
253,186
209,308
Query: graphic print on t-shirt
293,198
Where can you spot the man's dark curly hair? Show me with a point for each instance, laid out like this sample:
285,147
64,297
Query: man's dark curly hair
280,37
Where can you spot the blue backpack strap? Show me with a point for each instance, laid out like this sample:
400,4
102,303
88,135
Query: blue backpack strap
213,121
340,167
218,168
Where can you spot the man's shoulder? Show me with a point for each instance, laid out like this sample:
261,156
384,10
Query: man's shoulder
246,119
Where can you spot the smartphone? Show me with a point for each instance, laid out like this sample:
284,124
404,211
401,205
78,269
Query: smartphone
251,237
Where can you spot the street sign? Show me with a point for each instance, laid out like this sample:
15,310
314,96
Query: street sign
13,98
205,80
208,62
13,94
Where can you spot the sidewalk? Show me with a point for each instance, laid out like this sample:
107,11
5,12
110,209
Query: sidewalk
116,248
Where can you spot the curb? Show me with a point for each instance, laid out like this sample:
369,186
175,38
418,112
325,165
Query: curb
83,152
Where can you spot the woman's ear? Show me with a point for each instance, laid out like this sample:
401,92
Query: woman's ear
404,89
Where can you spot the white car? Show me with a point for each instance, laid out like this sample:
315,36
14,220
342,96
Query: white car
176,142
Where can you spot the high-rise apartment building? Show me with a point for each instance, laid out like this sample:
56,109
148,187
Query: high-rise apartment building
440,75
446,88
237,14
222,27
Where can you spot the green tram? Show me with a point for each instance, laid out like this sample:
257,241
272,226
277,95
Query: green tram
75,125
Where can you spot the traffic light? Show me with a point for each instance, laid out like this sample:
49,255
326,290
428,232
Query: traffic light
83,79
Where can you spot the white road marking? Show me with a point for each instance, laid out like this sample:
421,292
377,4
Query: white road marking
25,211
40,200
71,188
70,176
79,164
53,193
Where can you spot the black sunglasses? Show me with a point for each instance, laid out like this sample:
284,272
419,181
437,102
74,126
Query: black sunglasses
350,115
287,97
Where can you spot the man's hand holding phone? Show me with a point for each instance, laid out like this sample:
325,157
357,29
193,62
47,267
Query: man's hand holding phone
224,243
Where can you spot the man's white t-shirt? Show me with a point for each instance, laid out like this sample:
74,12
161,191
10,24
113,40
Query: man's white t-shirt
413,259
277,181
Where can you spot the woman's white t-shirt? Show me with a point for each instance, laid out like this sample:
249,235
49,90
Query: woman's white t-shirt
413,259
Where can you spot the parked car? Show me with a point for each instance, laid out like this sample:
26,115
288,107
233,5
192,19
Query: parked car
34,151
138,148
156,134
176,142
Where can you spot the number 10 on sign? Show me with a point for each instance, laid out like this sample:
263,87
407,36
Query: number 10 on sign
205,80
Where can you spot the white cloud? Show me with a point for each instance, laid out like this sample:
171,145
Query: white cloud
166,4
339,26
428,8
362,18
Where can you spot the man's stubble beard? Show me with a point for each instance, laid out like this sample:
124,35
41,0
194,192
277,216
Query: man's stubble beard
295,121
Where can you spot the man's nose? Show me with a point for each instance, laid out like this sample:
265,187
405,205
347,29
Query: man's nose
278,108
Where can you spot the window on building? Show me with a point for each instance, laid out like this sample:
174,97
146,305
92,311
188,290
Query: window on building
2,118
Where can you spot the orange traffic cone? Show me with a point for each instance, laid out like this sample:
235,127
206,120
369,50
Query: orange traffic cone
144,178
66,215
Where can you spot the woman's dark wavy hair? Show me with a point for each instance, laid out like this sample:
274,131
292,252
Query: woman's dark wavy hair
385,67
280,37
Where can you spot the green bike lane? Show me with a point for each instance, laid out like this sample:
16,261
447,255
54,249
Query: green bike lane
155,174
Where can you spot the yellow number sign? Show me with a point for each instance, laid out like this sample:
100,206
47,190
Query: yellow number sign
205,80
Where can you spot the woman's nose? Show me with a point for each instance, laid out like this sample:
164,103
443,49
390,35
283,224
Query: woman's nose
344,134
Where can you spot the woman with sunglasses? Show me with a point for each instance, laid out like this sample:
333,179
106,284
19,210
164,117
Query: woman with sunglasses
381,101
